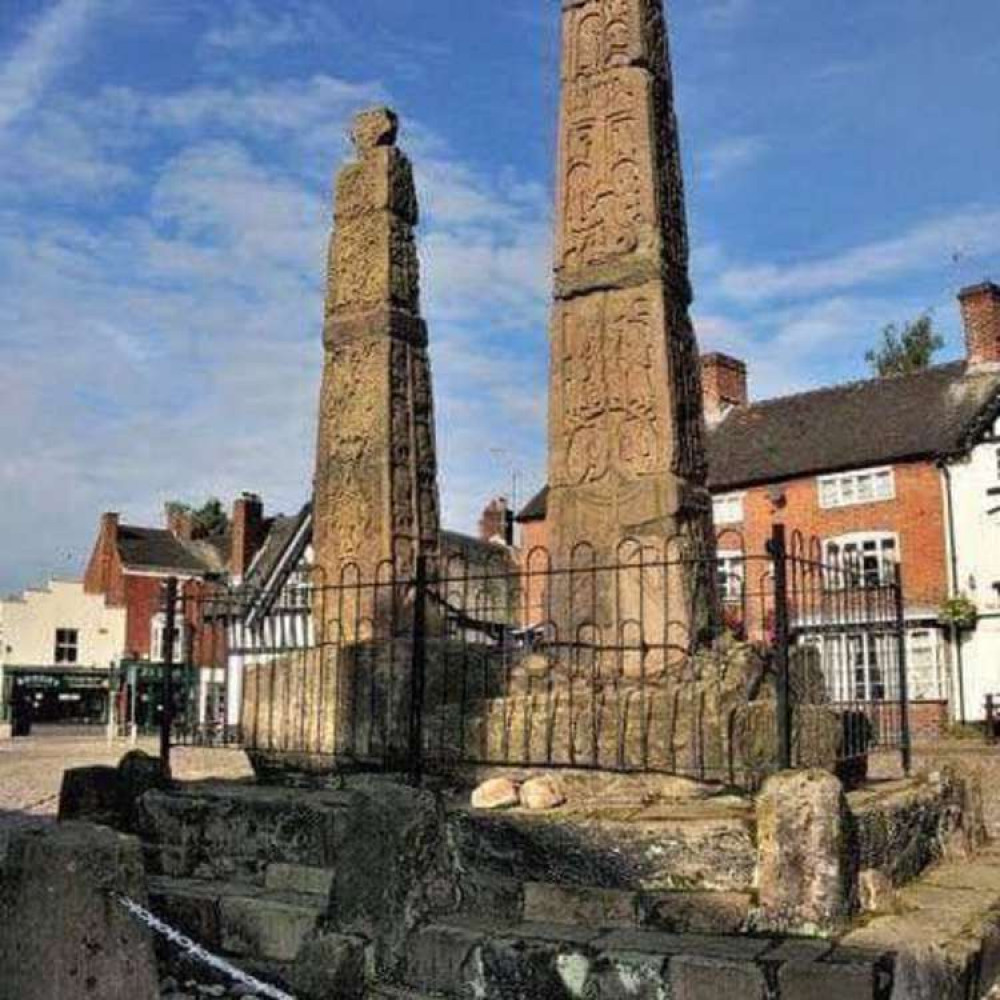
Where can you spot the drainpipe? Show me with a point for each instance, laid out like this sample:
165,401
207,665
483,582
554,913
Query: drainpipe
952,545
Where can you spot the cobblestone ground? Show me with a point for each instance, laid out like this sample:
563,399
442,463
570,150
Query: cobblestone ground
31,772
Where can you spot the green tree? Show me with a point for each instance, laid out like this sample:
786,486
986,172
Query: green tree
905,351
208,520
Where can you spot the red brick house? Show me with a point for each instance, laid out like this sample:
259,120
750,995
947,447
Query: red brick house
861,467
130,564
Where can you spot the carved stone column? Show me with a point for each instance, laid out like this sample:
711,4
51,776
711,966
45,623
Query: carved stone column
376,499
627,460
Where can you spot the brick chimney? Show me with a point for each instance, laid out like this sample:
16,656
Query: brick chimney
497,522
724,385
981,317
248,533
179,522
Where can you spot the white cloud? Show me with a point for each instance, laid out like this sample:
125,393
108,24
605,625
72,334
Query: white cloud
33,63
732,155
724,13
929,245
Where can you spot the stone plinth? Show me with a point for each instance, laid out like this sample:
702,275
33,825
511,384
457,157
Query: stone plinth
62,934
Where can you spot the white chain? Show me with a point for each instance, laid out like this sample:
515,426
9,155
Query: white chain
196,951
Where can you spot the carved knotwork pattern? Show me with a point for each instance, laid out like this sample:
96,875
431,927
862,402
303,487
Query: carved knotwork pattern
606,198
610,413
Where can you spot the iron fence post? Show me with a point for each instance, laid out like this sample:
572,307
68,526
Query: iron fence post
167,716
778,550
418,671
905,745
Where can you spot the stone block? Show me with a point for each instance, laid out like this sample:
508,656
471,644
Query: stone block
265,928
695,912
629,976
699,978
579,905
62,935
189,905
443,959
491,896
827,981
90,794
803,866
330,965
530,967
304,879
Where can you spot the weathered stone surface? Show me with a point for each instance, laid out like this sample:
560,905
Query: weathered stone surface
497,793
304,879
376,489
267,927
804,871
632,849
876,893
629,976
330,965
231,832
695,912
541,794
90,794
586,906
827,981
626,456
394,871
61,933
696,978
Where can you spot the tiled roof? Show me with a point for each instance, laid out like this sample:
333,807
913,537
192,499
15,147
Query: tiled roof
927,415
879,421
158,549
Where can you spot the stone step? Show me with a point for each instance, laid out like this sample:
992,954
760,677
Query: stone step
703,846
561,962
675,912
235,832
238,919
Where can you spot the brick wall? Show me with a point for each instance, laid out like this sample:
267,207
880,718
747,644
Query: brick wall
916,516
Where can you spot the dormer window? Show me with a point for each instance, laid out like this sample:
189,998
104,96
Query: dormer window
848,489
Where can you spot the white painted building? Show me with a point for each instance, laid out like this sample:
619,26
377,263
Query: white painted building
972,518
973,486
57,647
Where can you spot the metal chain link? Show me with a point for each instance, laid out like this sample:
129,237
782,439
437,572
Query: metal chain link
197,952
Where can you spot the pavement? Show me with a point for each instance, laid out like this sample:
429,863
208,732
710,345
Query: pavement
31,771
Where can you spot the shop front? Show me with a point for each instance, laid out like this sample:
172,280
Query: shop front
52,695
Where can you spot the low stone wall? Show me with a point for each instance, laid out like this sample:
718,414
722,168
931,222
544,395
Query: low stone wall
901,831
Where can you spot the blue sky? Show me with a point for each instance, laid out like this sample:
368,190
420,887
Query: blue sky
165,168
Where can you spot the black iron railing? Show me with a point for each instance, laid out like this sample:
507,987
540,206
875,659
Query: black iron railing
644,659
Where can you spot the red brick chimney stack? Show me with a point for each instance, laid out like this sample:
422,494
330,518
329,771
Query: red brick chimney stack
724,385
248,533
981,317
180,523
497,522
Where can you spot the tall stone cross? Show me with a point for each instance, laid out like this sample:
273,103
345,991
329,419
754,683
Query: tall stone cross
626,453
375,492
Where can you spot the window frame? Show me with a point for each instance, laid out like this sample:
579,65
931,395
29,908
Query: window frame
858,540
738,499
847,486
66,651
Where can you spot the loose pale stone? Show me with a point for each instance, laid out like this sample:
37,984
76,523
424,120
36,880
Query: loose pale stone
541,794
498,793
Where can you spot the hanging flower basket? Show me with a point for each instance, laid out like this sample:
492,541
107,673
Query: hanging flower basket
959,613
